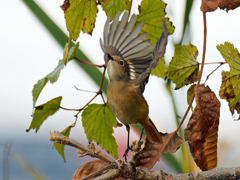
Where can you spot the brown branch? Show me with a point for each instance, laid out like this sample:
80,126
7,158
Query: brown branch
90,150
88,63
112,174
120,169
201,71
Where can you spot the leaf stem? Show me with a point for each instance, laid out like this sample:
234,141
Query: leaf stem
69,109
213,72
221,63
88,63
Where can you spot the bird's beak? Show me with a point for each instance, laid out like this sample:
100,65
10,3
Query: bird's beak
110,57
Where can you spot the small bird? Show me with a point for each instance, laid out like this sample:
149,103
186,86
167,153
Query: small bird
130,58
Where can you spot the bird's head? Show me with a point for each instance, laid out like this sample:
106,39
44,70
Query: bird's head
117,68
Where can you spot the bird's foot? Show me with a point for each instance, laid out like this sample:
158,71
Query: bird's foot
126,152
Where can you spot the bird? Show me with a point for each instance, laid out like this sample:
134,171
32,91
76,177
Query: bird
130,58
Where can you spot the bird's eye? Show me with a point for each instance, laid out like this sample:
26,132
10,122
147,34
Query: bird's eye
121,63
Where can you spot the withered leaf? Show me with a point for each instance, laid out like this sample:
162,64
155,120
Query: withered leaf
90,167
152,151
212,5
201,131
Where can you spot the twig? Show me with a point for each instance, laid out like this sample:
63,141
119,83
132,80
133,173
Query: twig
201,71
212,72
204,47
91,151
112,174
88,63
84,90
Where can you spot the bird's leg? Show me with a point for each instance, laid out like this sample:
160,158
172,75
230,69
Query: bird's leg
128,147
141,134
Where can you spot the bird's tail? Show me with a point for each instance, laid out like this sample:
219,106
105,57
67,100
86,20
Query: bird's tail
152,132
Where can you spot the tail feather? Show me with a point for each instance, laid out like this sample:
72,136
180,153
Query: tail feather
152,132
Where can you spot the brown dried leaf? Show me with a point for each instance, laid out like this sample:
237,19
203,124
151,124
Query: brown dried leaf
152,151
201,131
212,5
65,5
90,167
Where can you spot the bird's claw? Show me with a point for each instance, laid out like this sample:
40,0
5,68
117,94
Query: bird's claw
126,152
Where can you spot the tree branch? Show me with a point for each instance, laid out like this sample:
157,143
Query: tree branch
118,168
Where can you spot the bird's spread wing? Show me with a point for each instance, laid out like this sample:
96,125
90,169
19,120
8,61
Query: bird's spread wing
158,52
124,41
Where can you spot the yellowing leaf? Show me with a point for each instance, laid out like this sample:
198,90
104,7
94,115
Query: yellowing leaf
160,69
111,7
151,13
98,122
42,112
190,93
183,68
60,147
230,87
80,15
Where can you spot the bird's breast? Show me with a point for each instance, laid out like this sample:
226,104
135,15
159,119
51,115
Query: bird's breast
126,104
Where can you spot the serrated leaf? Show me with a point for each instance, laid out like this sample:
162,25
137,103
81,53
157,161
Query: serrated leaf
230,87
151,13
160,69
98,122
190,93
60,147
183,68
202,129
111,7
43,111
52,77
81,15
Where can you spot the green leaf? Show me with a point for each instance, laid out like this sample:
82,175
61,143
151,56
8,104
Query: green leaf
37,88
60,147
160,69
53,76
230,87
73,52
65,53
151,13
81,15
98,122
111,7
42,112
183,68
